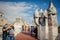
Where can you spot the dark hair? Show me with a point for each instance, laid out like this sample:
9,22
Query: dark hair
6,24
12,27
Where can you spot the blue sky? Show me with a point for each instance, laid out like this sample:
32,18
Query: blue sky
25,8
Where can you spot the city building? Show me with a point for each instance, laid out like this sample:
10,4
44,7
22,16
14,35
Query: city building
3,19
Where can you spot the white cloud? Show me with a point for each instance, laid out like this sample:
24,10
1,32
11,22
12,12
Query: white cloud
13,9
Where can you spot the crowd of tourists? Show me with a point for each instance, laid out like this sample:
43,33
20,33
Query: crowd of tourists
8,32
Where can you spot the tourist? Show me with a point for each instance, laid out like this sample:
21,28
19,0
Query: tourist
35,31
4,35
32,30
17,28
10,35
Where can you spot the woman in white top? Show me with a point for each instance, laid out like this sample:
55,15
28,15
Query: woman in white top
17,28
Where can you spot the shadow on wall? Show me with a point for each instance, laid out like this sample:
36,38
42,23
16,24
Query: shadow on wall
58,37
58,29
